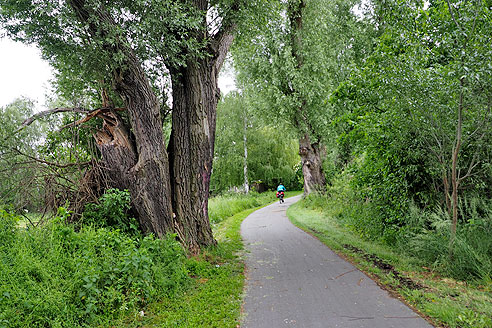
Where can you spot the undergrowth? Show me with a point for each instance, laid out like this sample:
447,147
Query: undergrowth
53,276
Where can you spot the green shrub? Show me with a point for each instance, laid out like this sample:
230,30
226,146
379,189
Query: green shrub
428,235
341,203
8,223
54,276
112,211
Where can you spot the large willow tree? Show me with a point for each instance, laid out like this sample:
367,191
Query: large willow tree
142,53
292,62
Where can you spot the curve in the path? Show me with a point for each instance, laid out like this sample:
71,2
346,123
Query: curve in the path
293,280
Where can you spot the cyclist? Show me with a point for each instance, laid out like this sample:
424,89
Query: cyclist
280,192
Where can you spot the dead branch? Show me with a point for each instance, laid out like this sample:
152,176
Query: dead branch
45,113
95,113
90,114
28,219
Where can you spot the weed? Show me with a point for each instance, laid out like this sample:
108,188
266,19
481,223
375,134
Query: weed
113,210
56,277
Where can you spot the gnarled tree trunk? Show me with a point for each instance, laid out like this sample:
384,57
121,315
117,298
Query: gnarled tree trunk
312,165
142,167
195,96
310,152
170,194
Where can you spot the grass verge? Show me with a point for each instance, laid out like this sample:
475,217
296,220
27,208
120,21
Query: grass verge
443,301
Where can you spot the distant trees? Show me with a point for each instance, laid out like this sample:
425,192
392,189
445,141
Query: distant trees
21,185
271,150
292,62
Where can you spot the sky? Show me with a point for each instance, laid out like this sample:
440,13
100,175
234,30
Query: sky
24,73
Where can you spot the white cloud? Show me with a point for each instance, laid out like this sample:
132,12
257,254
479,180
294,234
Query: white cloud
22,73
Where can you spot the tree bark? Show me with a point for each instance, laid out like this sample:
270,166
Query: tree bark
312,169
169,188
195,97
149,177
191,148
310,152
447,198
455,179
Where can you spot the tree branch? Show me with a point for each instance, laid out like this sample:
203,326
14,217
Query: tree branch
222,40
452,16
45,113
473,163
50,163
94,113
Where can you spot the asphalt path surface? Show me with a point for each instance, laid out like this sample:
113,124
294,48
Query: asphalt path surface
293,280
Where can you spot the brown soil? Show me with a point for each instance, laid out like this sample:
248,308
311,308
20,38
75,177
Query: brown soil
386,267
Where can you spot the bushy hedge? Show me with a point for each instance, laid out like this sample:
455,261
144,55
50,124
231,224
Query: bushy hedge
54,276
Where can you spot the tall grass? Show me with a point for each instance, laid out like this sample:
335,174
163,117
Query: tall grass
53,276
427,236
424,235
222,207
341,203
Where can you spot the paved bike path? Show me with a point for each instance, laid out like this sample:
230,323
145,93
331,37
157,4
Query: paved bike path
293,280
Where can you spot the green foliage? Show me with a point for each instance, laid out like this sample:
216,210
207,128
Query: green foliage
425,234
84,61
112,211
56,277
343,204
398,113
267,62
427,237
8,227
20,185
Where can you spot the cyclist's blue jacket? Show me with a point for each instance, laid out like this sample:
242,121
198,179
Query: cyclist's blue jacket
281,188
